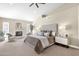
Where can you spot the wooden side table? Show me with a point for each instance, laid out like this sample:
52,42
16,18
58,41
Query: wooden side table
51,39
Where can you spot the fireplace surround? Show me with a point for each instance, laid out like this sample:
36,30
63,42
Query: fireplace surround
19,33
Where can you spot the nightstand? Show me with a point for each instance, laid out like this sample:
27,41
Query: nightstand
61,41
51,40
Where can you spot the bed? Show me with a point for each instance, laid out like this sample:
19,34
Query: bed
40,42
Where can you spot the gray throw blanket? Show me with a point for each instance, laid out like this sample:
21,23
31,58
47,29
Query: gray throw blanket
31,41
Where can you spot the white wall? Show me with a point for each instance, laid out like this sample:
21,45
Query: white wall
12,24
66,16
78,22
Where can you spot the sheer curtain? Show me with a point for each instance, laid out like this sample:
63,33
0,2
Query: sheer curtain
6,30
6,27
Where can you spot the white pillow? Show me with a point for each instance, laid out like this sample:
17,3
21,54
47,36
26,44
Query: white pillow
53,33
40,34
46,34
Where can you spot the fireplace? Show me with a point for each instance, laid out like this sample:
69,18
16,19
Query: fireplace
18,33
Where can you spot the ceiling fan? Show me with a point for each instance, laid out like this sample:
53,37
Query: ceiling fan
35,4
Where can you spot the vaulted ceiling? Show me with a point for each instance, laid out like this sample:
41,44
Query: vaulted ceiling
24,12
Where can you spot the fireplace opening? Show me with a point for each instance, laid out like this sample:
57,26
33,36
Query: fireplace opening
18,33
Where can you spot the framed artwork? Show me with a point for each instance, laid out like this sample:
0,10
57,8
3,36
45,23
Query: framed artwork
18,26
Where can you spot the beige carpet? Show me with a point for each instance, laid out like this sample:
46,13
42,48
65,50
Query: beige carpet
19,48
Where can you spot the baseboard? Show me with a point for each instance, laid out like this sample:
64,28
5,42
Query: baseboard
76,47
62,45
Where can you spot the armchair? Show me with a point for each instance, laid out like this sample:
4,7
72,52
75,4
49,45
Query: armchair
1,36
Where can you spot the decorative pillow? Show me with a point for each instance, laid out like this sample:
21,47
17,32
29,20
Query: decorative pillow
46,34
53,33
40,34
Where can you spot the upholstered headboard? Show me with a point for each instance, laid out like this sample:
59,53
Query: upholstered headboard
50,27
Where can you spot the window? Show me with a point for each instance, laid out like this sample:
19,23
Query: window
6,27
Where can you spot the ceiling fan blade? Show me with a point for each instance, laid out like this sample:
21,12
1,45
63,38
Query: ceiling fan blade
42,3
31,4
37,5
